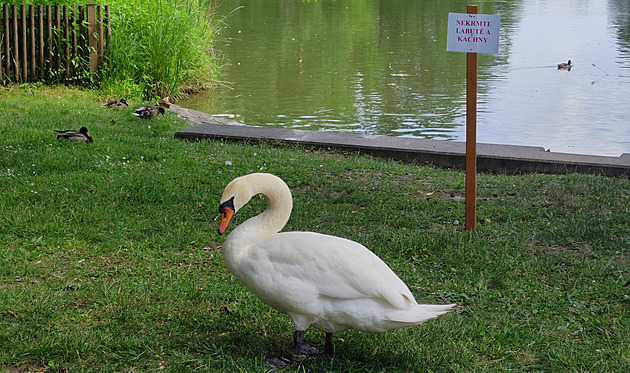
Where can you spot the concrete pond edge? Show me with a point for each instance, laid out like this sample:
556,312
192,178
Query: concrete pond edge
493,158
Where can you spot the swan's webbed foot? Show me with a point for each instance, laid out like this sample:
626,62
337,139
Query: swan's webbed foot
301,351
278,363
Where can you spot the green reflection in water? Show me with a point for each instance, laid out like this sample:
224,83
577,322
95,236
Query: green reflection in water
377,67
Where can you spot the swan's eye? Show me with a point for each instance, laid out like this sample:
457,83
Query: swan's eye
227,204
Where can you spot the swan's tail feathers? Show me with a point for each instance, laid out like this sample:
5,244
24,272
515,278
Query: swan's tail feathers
419,314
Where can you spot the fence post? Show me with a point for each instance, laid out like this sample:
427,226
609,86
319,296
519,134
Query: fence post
16,43
57,37
49,38
66,35
73,21
7,42
4,13
40,23
108,25
82,32
92,36
101,47
23,42
31,26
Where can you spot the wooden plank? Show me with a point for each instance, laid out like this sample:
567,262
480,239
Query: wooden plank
40,27
108,25
75,30
99,14
16,43
2,36
82,32
23,43
57,37
31,34
92,35
49,38
66,42
5,23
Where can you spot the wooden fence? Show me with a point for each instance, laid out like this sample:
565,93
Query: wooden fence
52,42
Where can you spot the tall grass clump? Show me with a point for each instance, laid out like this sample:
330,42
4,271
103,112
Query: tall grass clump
158,47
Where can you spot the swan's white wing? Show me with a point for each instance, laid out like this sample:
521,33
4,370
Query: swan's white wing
333,267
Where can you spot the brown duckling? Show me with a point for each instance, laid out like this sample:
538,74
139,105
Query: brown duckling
121,103
165,102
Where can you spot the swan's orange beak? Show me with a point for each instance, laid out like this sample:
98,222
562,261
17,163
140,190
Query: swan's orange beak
226,216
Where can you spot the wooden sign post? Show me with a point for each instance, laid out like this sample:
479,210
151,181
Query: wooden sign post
471,135
472,33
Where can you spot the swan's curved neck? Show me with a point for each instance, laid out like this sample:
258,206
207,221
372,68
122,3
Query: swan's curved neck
278,211
272,220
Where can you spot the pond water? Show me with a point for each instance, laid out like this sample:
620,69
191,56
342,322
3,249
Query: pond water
381,67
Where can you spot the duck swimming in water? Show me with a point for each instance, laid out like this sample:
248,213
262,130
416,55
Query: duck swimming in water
81,135
329,282
565,66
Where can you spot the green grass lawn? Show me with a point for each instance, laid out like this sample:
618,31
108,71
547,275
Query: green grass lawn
110,258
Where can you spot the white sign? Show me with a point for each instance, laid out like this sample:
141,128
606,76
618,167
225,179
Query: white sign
473,33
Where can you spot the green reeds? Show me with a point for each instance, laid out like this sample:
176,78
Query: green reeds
160,46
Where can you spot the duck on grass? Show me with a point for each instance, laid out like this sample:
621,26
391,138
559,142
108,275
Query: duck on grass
80,135
148,111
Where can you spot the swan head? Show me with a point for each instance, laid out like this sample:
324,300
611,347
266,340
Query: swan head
227,210
236,194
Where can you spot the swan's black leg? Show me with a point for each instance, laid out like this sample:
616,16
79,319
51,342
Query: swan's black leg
328,346
298,341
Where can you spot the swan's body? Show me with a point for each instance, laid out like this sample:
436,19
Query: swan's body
329,282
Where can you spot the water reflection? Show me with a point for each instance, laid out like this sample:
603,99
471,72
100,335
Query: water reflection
381,67
584,110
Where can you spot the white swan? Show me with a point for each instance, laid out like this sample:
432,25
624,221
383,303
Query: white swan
329,282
